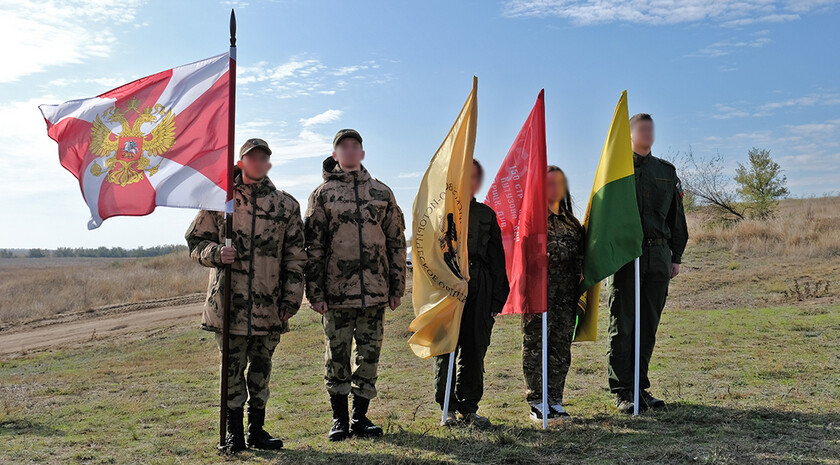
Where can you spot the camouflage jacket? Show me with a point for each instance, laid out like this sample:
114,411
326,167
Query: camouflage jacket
565,248
267,279
355,241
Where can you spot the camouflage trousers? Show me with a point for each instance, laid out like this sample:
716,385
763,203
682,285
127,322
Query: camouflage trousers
249,369
343,326
561,328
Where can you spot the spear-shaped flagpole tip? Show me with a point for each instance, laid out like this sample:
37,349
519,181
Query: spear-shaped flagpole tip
232,28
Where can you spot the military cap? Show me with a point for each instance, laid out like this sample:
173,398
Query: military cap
345,133
254,143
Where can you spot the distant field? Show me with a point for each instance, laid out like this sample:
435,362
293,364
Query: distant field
751,264
32,288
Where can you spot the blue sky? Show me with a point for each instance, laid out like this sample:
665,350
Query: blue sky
716,76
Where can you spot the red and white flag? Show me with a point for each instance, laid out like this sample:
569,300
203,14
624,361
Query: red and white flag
518,198
160,140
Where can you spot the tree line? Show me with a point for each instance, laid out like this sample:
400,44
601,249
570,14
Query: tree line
98,252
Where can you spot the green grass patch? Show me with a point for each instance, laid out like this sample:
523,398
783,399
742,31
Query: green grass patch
745,386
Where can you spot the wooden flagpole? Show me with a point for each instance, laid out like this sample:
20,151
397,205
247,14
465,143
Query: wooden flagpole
226,295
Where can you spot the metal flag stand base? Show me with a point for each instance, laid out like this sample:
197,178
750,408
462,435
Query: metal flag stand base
637,343
545,369
448,387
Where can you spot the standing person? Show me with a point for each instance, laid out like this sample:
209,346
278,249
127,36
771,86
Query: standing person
267,260
566,242
487,293
659,195
355,240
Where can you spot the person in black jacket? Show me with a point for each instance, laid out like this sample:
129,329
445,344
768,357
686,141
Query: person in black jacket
487,292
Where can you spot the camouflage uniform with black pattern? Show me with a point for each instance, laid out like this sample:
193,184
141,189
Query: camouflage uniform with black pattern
565,262
267,280
355,242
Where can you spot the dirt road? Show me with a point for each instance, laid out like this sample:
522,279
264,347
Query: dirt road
135,320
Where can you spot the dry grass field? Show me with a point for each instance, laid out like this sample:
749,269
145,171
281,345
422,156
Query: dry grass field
748,354
33,288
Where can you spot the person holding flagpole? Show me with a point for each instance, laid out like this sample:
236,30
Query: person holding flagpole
565,251
659,197
267,260
487,292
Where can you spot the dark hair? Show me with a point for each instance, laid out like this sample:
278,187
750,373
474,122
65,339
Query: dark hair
566,202
640,117
480,169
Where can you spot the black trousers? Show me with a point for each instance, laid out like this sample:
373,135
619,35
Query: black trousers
473,341
654,272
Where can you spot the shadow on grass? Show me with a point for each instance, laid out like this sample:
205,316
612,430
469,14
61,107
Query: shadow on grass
19,427
684,433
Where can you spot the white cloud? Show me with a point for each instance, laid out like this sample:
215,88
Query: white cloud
326,117
726,47
727,112
40,35
304,76
726,12
411,174
28,157
741,110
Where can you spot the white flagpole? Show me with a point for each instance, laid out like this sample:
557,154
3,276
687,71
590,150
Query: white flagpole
545,368
448,387
638,342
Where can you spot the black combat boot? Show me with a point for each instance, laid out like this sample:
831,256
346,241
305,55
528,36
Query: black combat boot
235,439
258,438
341,418
360,425
647,401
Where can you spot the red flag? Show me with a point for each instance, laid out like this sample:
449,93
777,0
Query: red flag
160,140
518,197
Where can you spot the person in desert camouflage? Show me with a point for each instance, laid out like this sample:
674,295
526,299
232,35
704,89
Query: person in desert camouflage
355,241
267,262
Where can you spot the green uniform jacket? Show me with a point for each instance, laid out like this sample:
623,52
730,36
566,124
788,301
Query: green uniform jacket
355,241
267,276
659,194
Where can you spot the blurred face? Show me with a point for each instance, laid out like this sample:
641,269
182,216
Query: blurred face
642,134
475,182
349,154
255,164
555,187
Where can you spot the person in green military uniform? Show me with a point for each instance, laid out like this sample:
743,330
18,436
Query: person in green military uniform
659,196
267,260
565,263
355,242
487,293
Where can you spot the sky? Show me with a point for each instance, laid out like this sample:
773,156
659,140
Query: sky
718,76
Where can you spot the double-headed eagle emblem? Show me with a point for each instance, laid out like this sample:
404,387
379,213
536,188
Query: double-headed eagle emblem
127,154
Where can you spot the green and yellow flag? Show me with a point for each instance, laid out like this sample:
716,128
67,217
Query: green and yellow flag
439,243
613,226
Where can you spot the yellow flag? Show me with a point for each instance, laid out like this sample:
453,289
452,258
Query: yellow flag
613,227
439,243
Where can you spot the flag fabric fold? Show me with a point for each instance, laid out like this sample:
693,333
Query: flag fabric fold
439,242
518,198
613,226
158,141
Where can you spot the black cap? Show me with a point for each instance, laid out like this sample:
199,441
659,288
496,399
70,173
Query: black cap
254,143
345,133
